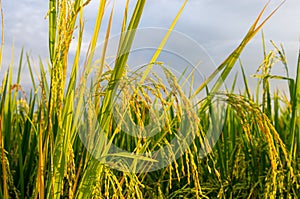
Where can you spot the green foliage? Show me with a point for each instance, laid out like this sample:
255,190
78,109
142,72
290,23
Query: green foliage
42,155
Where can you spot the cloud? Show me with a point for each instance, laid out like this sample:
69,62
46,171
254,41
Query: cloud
217,25
25,25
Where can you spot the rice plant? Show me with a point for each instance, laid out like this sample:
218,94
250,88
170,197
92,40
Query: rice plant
57,139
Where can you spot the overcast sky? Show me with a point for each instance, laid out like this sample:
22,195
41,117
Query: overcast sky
217,25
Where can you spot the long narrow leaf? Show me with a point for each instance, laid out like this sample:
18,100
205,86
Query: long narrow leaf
230,61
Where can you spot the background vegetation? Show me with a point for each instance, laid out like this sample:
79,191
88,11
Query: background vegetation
42,155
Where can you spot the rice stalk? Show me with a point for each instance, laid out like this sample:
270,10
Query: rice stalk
272,139
3,162
42,152
62,18
295,119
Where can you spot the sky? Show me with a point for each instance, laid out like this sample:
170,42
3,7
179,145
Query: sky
217,26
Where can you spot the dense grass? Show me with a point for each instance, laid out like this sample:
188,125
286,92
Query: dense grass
43,156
